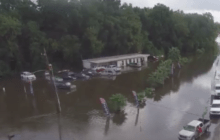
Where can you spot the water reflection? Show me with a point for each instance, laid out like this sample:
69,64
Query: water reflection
197,67
119,118
29,114
137,116
107,124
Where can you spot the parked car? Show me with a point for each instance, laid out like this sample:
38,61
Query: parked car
28,76
81,76
108,73
98,69
46,73
64,85
189,132
217,75
114,68
89,72
152,58
216,92
109,77
68,76
135,65
215,108
58,79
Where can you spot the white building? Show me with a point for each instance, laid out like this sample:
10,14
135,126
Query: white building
119,60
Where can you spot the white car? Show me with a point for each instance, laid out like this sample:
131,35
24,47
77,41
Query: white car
216,91
215,108
108,73
189,132
113,67
28,76
217,75
98,69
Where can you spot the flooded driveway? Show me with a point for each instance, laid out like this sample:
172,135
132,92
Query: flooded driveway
183,98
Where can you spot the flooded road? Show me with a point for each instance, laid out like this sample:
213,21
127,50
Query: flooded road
182,99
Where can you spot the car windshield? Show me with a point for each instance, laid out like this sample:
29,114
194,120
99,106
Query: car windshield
215,105
217,87
189,128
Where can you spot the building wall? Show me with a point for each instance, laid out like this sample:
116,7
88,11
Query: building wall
86,64
119,63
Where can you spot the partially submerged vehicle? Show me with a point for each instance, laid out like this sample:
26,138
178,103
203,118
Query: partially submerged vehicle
98,69
113,67
152,58
67,75
28,76
108,73
89,72
189,132
64,85
135,65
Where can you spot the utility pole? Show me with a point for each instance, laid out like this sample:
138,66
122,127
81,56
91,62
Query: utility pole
50,69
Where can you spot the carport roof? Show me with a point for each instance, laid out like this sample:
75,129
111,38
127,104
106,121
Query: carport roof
116,58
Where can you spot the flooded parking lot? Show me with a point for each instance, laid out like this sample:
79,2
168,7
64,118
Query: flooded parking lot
182,99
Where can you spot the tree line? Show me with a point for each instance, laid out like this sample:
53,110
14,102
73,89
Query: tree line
72,30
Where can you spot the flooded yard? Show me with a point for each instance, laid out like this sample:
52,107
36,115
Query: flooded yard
182,99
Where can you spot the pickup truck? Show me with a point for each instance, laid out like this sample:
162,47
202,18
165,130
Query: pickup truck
189,132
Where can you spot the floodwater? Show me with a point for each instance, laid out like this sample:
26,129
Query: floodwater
182,99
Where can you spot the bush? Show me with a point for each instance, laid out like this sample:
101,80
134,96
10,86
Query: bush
174,54
162,73
141,96
117,101
149,92
184,61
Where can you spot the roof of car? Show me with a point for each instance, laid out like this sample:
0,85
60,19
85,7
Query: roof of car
216,102
26,72
194,123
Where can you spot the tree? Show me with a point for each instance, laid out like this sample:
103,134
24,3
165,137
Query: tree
174,54
117,101
70,30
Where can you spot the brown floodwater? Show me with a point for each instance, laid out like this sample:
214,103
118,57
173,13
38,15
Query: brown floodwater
182,99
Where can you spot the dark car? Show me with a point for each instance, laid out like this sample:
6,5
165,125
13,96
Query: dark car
67,75
81,76
89,72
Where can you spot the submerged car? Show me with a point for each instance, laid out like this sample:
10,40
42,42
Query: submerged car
89,72
82,76
114,68
28,76
67,75
64,85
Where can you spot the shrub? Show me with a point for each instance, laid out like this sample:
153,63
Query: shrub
117,101
162,73
174,54
184,61
149,92
141,96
